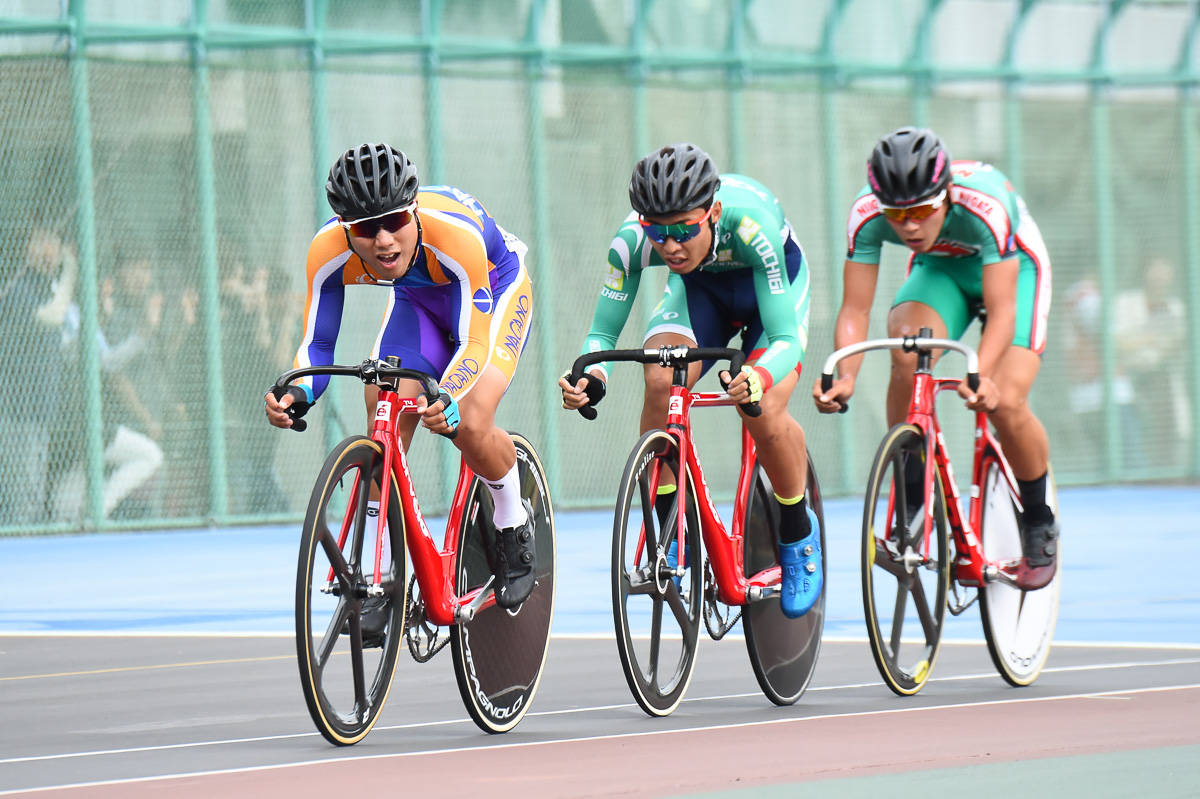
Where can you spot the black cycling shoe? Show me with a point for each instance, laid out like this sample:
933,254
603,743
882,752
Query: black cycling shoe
1039,547
374,619
516,562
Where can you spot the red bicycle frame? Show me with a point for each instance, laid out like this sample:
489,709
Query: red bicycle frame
725,549
433,567
970,563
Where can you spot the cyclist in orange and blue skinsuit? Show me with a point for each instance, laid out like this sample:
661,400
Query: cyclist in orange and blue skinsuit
466,279
460,309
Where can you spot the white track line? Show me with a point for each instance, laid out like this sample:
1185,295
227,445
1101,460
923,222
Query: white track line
586,739
604,708
601,636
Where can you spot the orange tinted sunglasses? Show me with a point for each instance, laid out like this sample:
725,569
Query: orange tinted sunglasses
917,213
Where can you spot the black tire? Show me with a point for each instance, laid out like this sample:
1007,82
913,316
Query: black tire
904,582
1018,625
782,651
657,623
500,654
346,684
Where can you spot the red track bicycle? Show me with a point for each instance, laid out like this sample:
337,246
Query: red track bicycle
657,606
921,555
498,654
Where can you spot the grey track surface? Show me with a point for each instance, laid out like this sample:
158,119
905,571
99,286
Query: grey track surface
92,709
125,658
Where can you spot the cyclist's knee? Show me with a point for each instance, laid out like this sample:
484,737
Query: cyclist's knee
775,427
901,378
658,388
775,407
1011,409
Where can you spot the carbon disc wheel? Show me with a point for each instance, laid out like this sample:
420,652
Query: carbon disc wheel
783,651
499,655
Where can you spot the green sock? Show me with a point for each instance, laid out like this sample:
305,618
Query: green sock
663,503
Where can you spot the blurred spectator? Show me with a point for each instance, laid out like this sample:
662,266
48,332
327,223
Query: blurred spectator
1086,396
34,303
131,363
185,422
251,321
1151,334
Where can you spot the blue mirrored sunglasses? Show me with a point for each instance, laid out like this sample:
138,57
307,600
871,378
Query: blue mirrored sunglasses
681,231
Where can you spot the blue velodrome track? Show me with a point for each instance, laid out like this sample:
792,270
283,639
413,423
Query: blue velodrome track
1130,557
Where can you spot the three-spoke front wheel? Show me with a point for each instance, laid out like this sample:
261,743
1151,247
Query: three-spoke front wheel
346,666
656,609
905,569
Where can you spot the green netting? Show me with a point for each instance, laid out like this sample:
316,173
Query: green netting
161,184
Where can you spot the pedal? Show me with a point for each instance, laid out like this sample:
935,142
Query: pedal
757,593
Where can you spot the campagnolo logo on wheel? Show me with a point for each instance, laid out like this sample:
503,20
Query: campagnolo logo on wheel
533,470
1025,661
485,704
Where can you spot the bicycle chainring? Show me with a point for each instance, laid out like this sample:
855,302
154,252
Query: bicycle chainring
424,640
719,618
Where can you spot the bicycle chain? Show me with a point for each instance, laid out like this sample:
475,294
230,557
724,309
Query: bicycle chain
416,625
712,607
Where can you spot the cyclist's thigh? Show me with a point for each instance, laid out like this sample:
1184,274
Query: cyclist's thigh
478,406
931,297
419,328
512,315
710,302
659,379
672,315
1033,302
1015,373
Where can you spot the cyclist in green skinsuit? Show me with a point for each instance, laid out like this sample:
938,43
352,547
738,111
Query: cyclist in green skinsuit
976,251
735,268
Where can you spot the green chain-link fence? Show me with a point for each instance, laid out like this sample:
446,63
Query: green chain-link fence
161,173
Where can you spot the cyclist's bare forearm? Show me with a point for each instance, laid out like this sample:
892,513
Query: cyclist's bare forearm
1000,300
854,317
851,328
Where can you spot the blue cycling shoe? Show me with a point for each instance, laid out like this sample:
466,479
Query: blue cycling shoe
802,575
673,560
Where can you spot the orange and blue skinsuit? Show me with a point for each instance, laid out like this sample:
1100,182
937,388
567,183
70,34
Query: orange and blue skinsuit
466,301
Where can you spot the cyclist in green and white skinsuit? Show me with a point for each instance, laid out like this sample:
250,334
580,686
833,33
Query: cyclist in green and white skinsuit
975,251
736,267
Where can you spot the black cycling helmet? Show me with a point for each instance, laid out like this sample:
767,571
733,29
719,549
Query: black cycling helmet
672,180
907,166
370,179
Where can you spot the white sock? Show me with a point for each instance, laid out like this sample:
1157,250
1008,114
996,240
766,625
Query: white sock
368,555
506,494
